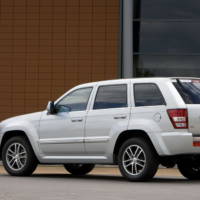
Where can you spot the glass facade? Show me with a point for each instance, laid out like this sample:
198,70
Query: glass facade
166,38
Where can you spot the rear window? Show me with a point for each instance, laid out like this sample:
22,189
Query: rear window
147,94
189,90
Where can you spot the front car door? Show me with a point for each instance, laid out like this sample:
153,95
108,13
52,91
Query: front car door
62,134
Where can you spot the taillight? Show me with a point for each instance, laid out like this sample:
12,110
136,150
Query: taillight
178,117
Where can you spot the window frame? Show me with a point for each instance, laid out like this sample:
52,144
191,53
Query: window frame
134,95
157,35
73,90
104,85
154,12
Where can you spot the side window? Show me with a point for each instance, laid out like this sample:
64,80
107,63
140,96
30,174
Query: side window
75,101
147,94
111,96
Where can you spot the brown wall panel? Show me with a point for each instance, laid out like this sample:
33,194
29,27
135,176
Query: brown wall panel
49,46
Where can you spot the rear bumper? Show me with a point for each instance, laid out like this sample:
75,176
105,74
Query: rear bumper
177,143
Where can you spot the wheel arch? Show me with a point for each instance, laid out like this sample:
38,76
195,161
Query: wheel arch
125,135
13,133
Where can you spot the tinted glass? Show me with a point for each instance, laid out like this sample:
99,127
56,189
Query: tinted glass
75,101
173,37
147,95
190,91
166,38
167,66
170,9
112,96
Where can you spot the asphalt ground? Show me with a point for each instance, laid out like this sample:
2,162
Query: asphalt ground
103,183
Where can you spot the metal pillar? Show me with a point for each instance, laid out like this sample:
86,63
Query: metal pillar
127,38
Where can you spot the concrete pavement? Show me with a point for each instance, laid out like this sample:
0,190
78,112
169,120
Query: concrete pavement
53,183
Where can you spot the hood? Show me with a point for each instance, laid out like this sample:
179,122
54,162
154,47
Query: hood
33,117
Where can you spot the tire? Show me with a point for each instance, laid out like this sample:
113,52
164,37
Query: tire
141,163
189,169
18,157
79,169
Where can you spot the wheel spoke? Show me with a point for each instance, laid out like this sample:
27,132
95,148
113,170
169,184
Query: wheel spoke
23,156
138,153
13,163
12,159
125,161
129,164
139,164
15,148
12,152
136,170
141,160
128,154
10,155
18,148
132,166
17,162
24,152
132,155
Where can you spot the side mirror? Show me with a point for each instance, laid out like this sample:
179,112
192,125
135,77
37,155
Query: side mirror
51,108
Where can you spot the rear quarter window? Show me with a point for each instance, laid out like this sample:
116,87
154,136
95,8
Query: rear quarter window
147,94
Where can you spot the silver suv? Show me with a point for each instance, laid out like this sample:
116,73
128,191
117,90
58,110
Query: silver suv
134,123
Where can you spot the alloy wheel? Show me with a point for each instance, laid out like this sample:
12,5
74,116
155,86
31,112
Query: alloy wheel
16,156
134,160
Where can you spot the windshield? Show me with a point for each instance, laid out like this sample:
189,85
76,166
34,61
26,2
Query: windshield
189,90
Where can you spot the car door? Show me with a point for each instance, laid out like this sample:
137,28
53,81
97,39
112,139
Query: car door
61,134
109,114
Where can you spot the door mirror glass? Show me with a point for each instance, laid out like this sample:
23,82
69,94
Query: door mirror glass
51,108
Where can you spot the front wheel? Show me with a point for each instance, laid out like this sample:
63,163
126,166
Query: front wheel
18,157
79,169
137,160
189,169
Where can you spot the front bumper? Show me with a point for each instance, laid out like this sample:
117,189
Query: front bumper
176,143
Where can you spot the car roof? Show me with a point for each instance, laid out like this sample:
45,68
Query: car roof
137,80
123,80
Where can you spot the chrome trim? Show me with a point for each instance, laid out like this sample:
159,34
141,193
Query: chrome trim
74,140
76,157
97,139
62,140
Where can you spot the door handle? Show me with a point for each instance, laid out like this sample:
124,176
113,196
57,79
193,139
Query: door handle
120,117
77,119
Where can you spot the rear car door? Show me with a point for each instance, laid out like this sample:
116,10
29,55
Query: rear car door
109,112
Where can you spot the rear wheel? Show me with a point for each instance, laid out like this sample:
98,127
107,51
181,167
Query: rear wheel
18,157
137,160
189,169
79,169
